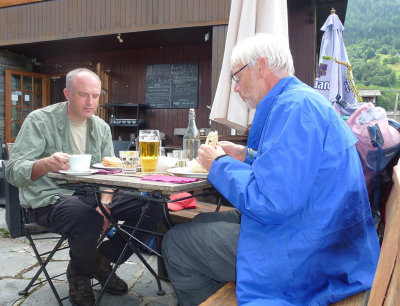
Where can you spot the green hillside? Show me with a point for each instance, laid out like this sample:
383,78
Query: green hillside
372,41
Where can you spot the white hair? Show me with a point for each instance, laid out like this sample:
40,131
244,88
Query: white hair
273,48
72,74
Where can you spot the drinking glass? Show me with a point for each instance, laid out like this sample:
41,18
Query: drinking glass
181,157
129,161
149,145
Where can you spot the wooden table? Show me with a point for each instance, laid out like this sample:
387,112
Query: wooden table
132,182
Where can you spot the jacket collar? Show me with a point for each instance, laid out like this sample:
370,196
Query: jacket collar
264,109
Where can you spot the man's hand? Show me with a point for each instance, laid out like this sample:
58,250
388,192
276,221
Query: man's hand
236,151
58,161
207,154
106,223
54,163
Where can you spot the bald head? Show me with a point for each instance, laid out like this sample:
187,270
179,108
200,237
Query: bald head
78,72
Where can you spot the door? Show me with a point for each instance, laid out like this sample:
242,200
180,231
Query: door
57,85
25,92
105,79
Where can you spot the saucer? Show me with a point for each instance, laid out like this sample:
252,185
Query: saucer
84,172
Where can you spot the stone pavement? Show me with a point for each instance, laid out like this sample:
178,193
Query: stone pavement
18,265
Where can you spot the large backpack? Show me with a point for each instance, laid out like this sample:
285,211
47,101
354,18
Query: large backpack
378,146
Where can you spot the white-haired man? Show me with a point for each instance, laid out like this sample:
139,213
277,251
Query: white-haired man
303,233
46,139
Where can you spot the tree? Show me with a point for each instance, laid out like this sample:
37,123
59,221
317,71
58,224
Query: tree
384,49
370,53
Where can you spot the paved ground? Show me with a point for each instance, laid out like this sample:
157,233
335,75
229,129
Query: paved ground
18,264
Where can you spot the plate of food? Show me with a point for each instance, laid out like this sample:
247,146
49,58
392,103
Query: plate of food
109,163
185,171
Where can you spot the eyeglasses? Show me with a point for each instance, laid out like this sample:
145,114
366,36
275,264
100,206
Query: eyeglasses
234,77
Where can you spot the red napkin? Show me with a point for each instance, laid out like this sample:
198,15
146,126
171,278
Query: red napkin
169,179
179,205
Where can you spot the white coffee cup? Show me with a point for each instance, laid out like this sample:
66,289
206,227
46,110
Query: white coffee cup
79,162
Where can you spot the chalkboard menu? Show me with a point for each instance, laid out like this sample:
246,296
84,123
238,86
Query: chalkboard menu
172,85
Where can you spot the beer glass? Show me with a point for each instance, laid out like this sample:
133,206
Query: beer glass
149,144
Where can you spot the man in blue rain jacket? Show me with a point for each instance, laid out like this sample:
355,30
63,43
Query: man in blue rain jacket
306,232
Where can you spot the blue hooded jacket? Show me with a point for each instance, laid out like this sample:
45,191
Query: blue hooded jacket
307,236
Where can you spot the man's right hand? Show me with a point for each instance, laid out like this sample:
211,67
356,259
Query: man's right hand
236,151
54,163
58,161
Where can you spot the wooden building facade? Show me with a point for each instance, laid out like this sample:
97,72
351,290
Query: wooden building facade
123,37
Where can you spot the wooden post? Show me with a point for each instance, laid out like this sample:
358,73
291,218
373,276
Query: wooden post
395,106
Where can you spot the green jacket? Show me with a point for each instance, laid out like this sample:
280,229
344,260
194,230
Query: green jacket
44,132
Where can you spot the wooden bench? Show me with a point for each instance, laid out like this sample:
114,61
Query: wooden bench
385,288
186,215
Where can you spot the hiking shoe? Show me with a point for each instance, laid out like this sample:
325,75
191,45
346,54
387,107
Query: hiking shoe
80,290
103,269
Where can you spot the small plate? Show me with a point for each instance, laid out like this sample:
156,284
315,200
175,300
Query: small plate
101,166
85,172
186,173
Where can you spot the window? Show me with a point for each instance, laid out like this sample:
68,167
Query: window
25,92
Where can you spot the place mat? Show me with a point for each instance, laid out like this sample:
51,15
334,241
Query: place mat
169,179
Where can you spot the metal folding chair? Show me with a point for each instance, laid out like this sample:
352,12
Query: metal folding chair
42,258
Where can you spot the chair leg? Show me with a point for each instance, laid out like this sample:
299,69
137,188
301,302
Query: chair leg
42,266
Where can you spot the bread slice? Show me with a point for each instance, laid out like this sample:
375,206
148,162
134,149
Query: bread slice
212,139
111,161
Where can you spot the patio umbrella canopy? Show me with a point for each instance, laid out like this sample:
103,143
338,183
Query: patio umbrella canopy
247,17
335,80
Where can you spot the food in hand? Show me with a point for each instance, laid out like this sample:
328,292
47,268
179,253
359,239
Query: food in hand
195,167
111,161
212,139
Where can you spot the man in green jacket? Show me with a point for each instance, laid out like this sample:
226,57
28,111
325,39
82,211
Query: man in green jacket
43,144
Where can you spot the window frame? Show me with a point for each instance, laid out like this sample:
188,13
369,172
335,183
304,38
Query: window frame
45,86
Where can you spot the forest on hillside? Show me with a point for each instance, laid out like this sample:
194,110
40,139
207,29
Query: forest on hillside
372,39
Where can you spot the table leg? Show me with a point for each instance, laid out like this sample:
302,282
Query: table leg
128,237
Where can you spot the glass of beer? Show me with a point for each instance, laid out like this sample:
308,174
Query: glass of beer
149,145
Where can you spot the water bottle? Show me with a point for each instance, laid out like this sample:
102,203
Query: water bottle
191,139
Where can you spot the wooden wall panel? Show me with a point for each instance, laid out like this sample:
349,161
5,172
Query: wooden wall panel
302,41
218,42
61,19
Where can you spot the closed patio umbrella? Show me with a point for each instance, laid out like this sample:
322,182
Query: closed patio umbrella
247,17
334,80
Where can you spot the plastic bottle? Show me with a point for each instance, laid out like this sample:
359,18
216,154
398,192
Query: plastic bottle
191,139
